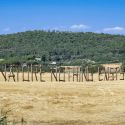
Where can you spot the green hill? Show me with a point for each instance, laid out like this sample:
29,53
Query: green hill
62,47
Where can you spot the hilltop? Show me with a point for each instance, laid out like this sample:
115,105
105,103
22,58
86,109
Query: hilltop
62,47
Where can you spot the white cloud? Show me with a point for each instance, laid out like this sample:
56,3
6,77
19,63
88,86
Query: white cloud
112,30
116,29
24,28
60,28
7,29
79,27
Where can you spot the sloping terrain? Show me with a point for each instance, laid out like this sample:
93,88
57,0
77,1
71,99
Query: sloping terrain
62,47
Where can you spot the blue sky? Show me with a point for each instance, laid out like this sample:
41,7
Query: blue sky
107,16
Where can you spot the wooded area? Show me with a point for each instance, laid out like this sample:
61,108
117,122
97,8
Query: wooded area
64,47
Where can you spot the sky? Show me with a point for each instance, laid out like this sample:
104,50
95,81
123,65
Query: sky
100,16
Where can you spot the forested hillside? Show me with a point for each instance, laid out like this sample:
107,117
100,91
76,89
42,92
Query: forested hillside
62,47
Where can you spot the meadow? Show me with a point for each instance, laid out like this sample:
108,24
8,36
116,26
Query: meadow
64,103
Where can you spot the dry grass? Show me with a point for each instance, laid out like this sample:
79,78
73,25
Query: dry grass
92,103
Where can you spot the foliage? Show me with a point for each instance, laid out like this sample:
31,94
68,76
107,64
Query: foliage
123,66
61,47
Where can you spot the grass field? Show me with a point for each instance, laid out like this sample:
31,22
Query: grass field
64,103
